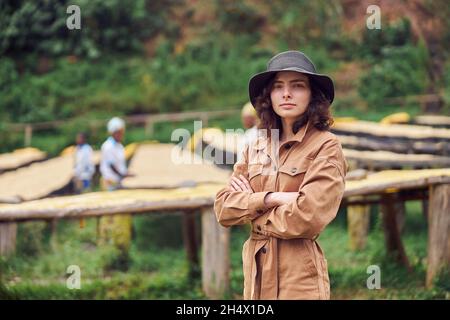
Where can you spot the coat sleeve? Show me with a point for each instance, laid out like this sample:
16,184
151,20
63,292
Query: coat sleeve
237,207
318,200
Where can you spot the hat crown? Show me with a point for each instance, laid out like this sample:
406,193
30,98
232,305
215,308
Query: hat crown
291,59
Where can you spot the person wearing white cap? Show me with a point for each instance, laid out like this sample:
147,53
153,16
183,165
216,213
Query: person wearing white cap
113,164
115,229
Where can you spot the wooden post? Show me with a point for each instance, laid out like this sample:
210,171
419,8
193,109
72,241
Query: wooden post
215,255
204,117
358,217
28,135
54,234
390,205
190,243
149,127
400,215
425,205
8,232
438,231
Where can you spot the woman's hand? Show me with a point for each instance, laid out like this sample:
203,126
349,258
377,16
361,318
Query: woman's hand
275,199
240,184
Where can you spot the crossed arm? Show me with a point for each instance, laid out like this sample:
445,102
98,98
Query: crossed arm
286,215
272,199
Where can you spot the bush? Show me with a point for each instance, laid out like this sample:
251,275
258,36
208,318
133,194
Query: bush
391,35
106,26
400,72
30,238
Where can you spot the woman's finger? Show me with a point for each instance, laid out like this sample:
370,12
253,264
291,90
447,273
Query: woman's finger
236,186
247,183
240,183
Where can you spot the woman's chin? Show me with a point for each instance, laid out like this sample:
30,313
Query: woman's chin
286,113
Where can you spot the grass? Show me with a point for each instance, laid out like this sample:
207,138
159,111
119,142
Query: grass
158,268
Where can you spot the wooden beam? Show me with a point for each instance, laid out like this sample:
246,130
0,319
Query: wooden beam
76,213
353,189
215,258
190,242
438,231
397,145
8,234
358,217
390,205
28,135
376,160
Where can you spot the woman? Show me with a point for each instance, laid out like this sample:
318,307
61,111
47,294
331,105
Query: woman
288,184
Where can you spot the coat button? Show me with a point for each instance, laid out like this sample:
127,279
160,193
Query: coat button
258,227
294,170
263,250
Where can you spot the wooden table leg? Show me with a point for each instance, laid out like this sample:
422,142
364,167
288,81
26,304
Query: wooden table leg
358,218
438,231
215,255
8,233
390,206
190,243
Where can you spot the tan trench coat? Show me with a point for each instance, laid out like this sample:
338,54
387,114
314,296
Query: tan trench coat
281,259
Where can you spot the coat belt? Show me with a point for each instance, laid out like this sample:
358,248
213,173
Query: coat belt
269,272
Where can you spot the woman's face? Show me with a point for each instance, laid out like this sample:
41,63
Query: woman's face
290,94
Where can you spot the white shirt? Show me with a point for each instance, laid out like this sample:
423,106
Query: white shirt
84,165
113,153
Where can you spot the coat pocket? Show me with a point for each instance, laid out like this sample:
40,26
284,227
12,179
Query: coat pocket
309,258
292,175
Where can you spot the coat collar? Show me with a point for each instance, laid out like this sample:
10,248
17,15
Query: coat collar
262,142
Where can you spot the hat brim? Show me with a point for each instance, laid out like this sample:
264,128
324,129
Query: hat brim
260,80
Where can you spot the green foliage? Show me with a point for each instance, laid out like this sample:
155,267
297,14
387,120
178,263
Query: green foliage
30,239
148,235
239,18
396,66
447,88
210,75
390,35
106,26
302,22
401,71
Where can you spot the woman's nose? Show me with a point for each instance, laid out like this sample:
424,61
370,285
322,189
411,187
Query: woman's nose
286,93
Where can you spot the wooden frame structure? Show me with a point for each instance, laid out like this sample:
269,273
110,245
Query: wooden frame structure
215,262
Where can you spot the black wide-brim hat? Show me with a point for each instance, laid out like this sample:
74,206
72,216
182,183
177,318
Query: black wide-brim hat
290,61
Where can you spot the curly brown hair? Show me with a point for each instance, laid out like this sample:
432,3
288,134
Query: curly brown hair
318,110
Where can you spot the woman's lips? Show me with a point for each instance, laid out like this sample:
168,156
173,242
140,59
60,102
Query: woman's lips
287,106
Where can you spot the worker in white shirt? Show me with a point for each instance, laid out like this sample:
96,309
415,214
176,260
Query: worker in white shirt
113,163
115,229
84,167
